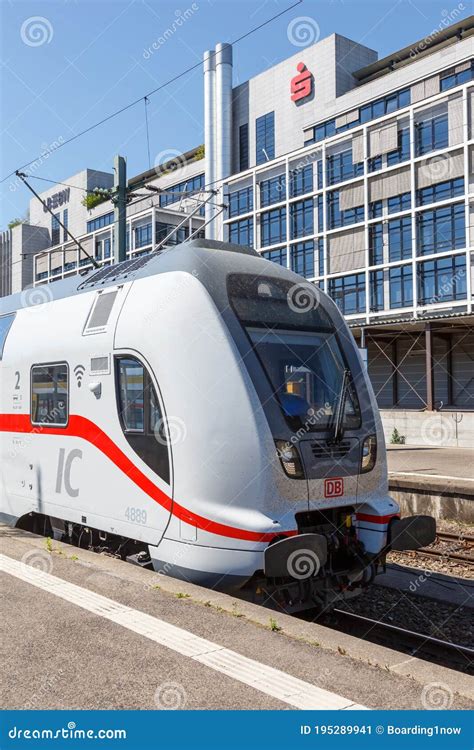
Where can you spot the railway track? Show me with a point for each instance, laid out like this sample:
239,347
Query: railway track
417,644
444,536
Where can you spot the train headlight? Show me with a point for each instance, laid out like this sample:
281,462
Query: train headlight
289,459
369,454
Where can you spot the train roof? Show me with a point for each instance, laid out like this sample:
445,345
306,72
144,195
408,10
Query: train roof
184,257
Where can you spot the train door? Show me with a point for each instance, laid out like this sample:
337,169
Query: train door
141,417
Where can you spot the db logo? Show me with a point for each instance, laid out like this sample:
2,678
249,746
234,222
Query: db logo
333,487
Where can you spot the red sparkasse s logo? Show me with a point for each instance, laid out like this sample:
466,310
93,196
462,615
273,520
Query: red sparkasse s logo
302,84
334,487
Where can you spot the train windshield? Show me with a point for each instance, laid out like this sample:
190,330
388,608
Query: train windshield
296,344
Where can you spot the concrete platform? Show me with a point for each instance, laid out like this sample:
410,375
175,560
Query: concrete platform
436,481
65,646
428,464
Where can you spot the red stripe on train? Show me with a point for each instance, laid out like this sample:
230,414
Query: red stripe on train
83,428
375,519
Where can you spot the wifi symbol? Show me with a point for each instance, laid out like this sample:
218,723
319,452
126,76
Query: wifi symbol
79,371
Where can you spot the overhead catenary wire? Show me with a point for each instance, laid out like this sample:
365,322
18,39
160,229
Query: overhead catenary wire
167,83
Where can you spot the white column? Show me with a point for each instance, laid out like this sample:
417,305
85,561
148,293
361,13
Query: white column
209,133
223,121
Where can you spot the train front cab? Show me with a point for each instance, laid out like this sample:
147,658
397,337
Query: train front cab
328,436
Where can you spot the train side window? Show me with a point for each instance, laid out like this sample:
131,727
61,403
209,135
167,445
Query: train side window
5,325
140,415
50,394
132,387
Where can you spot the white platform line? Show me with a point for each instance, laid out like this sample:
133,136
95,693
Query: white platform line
430,476
272,682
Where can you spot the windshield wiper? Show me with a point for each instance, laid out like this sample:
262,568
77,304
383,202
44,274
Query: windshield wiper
339,417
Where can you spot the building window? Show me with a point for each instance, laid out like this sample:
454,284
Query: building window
337,218
319,172
241,232
301,180
375,209
272,190
49,394
348,292
431,134
301,218
278,255
399,239
162,230
302,258
440,192
401,286
143,235
376,291
397,203
55,230
442,280
441,229
374,163
100,221
375,244
340,167
244,147
273,226
107,248
385,106
402,153
172,193
448,81
240,201
320,202
265,138
320,256
378,108
66,223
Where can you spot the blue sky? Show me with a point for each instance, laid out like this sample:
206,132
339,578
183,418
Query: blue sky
83,59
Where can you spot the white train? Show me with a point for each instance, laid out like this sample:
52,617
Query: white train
203,411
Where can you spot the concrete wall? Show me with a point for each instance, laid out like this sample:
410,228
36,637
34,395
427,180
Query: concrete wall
77,213
330,61
27,240
448,429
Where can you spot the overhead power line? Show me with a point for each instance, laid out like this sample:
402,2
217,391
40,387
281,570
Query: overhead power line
155,90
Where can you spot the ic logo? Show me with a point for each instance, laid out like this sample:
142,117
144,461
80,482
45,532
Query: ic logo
333,487
302,84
